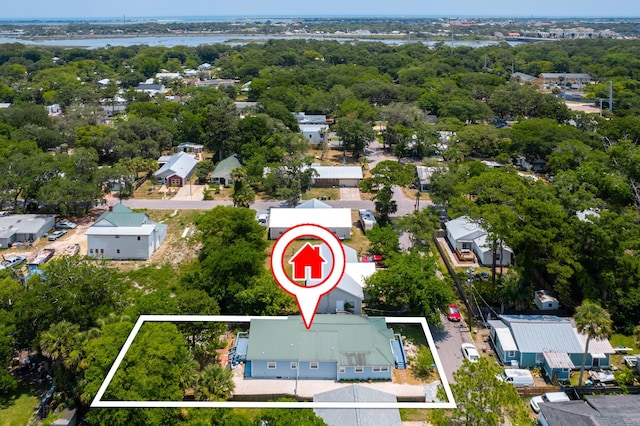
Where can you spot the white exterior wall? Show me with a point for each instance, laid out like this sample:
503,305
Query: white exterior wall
341,233
131,247
329,302
486,257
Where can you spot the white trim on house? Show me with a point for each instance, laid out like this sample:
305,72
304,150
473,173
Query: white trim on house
337,220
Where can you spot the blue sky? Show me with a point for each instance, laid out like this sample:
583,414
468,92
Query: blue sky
452,8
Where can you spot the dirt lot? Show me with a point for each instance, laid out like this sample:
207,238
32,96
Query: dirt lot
72,237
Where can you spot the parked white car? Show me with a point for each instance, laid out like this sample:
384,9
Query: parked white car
470,352
546,398
12,261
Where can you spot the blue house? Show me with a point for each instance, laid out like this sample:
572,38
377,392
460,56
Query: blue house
336,347
548,341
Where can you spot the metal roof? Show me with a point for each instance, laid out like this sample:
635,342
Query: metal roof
313,203
523,77
484,246
558,360
329,218
226,166
357,416
504,335
338,172
181,164
354,273
597,347
120,216
345,339
543,333
24,223
566,75
424,173
464,228
146,229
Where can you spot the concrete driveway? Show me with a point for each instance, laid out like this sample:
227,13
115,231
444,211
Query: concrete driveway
350,194
190,193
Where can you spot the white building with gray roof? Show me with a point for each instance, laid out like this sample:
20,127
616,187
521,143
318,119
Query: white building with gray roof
24,228
338,176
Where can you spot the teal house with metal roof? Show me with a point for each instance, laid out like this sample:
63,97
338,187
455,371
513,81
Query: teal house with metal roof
547,341
336,347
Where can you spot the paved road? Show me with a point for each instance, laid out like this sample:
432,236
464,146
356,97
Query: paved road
448,342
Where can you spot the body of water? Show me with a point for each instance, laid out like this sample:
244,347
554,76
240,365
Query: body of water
230,39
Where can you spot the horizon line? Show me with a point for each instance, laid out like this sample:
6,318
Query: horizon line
290,16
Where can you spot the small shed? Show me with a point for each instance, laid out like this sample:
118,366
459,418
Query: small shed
545,301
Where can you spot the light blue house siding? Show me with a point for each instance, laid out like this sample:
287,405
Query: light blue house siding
558,365
336,347
599,362
546,340
365,373
289,370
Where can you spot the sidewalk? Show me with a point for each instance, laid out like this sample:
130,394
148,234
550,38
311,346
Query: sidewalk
190,193
308,388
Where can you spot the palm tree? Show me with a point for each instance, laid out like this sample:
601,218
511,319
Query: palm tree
243,193
215,383
58,341
594,321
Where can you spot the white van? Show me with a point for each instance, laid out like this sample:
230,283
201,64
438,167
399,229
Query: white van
547,398
517,377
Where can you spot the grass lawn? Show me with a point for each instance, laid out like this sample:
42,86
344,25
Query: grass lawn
19,409
626,342
414,414
331,193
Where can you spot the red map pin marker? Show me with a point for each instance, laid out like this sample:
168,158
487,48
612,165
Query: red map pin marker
307,264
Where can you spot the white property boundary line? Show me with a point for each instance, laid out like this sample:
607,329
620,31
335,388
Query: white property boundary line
99,403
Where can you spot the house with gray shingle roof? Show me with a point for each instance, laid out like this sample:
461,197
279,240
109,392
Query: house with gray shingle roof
122,234
177,170
222,173
336,347
597,410
548,341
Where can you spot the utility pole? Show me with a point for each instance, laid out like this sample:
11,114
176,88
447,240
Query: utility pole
451,29
610,97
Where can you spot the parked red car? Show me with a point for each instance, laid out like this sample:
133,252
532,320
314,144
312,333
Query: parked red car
453,314
375,258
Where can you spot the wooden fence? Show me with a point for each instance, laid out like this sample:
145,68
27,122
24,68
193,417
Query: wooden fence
537,390
445,258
